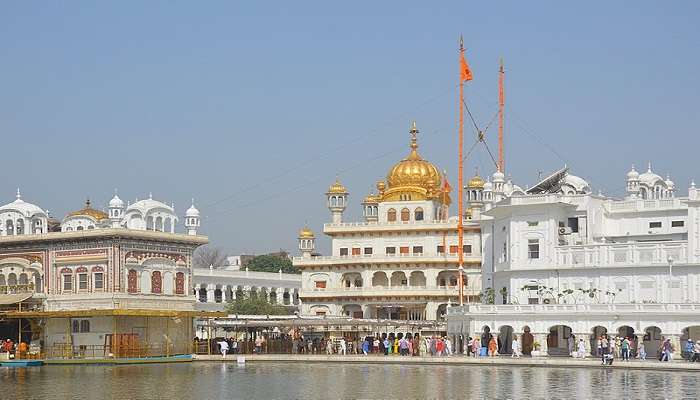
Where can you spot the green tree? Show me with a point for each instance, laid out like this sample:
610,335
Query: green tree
254,305
272,263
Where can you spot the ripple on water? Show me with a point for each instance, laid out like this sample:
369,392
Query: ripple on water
213,380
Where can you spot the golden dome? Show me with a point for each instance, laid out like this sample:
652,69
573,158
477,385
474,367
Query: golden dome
90,212
476,182
413,177
337,187
306,233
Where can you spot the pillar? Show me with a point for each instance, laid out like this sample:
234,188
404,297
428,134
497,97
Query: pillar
210,293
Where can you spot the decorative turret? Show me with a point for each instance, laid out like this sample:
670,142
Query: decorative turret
370,208
192,219
116,210
475,195
499,179
306,242
337,197
633,183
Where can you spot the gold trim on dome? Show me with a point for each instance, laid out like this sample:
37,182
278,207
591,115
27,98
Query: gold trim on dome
337,187
371,198
306,233
476,183
90,212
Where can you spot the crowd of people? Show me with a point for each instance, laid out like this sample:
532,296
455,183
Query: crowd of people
14,350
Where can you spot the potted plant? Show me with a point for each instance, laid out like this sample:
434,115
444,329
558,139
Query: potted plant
536,349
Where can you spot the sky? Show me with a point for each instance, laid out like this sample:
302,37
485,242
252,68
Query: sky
252,109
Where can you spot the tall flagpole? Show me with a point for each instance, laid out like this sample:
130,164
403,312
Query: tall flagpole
501,104
460,178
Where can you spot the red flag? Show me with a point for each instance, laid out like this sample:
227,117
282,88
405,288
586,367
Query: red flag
465,72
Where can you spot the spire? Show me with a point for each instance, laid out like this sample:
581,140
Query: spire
150,195
501,123
87,203
414,135
692,184
649,167
19,195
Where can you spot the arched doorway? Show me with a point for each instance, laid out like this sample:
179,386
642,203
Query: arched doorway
689,333
596,334
441,312
505,339
560,341
652,341
626,331
380,279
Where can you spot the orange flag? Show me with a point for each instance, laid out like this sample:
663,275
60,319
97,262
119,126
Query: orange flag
465,72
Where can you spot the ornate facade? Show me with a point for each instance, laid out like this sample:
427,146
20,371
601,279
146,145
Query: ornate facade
401,261
98,275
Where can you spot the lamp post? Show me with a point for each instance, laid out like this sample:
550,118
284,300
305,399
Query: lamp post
670,277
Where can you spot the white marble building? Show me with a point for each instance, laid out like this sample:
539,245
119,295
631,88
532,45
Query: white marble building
213,288
400,262
562,261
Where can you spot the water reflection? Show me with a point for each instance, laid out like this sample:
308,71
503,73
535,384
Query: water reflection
295,380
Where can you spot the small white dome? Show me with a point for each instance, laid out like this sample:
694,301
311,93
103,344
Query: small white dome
26,209
192,211
633,174
498,176
116,202
488,186
649,178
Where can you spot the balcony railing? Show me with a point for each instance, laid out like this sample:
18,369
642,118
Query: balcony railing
612,254
15,289
623,308
641,205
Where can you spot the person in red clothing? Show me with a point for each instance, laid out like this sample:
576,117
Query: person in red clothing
439,346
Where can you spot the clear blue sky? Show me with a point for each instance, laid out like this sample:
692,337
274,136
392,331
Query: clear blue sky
253,109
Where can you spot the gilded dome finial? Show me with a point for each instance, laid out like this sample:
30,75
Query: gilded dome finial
414,136
87,203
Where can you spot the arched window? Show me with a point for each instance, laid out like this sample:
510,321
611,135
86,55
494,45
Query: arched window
2,280
180,283
334,201
643,193
156,282
80,228
91,226
85,326
68,229
23,279
159,224
20,227
391,215
12,279
132,281
150,225
167,225
405,214
418,214
9,228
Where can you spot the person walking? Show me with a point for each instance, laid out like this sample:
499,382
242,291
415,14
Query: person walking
688,350
625,345
642,351
666,350
476,346
423,348
386,346
223,347
604,347
343,346
696,352
515,346
581,353
493,347
365,346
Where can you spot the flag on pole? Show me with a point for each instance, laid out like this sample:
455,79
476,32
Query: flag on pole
465,72
446,188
